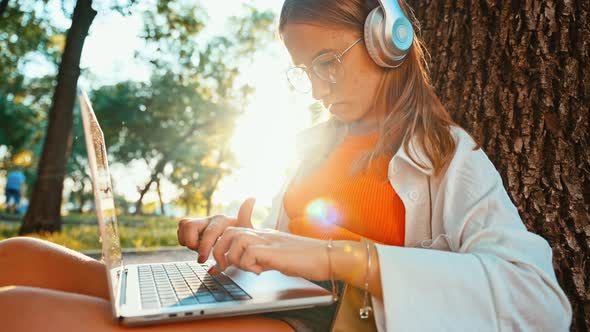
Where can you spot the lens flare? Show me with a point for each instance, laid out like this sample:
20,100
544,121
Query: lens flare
323,211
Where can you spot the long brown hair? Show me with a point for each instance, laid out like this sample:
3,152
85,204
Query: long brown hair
409,107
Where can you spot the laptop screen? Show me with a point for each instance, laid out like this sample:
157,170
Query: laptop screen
101,182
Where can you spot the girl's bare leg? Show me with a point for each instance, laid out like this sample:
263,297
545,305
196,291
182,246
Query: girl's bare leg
36,263
36,309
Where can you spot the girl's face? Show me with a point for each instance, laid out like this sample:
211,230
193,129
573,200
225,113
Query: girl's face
351,98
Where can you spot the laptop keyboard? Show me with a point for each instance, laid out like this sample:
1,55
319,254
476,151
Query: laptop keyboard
186,283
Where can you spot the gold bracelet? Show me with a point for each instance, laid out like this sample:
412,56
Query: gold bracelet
330,272
365,310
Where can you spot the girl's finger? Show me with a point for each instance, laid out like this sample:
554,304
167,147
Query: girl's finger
245,213
188,232
222,245
248,261
210,234
234,254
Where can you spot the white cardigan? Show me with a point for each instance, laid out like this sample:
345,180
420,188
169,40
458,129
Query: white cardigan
468,264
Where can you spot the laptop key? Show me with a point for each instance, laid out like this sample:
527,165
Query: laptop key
180,287
168,298
222,297
151,298
164,291
206,299
148,293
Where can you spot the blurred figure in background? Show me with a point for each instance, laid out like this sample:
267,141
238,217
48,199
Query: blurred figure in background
15,188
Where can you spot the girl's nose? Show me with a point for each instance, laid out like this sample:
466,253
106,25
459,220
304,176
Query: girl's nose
319,87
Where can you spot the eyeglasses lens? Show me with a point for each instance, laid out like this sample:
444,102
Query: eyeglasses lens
326,67
299,79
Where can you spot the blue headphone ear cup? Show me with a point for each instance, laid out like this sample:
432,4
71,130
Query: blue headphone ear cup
383,50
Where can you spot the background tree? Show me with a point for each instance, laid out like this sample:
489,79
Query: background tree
516,75
164,123
24,35
184,117
25,38
44,213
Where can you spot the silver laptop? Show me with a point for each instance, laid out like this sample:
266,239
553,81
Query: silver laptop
172,291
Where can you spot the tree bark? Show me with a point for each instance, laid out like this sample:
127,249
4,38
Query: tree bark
44,211
516,75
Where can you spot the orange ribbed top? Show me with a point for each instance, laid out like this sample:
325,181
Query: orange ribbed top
333,203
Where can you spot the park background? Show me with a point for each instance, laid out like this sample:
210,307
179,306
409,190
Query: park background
197,113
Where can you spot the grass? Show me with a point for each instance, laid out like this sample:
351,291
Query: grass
145,232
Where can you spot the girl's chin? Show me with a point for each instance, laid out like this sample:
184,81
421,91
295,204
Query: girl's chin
339,112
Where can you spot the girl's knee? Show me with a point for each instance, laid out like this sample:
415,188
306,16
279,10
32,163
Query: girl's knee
28,250
22,244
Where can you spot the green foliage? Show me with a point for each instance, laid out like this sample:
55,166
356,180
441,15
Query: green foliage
171,31
25,35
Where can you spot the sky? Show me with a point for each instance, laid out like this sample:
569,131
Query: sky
264,137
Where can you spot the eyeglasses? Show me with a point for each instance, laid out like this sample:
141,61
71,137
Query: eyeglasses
327,67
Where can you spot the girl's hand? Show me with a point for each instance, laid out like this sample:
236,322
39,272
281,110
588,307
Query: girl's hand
261,250
200,234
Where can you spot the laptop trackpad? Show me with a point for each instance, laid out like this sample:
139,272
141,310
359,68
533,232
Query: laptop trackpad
273,285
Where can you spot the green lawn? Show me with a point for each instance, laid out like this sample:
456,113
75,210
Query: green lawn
138,232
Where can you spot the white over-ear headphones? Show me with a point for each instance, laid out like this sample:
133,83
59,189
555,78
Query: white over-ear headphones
388,34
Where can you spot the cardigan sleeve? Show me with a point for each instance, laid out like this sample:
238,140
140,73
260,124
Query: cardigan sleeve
497,276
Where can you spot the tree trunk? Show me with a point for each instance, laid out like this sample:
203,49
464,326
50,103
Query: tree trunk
44,211
209,203
516,75
3,6
81,197
209,194
162,212
215,182
158,169
142,192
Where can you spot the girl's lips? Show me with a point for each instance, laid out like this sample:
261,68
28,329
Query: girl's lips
328,105
333,109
